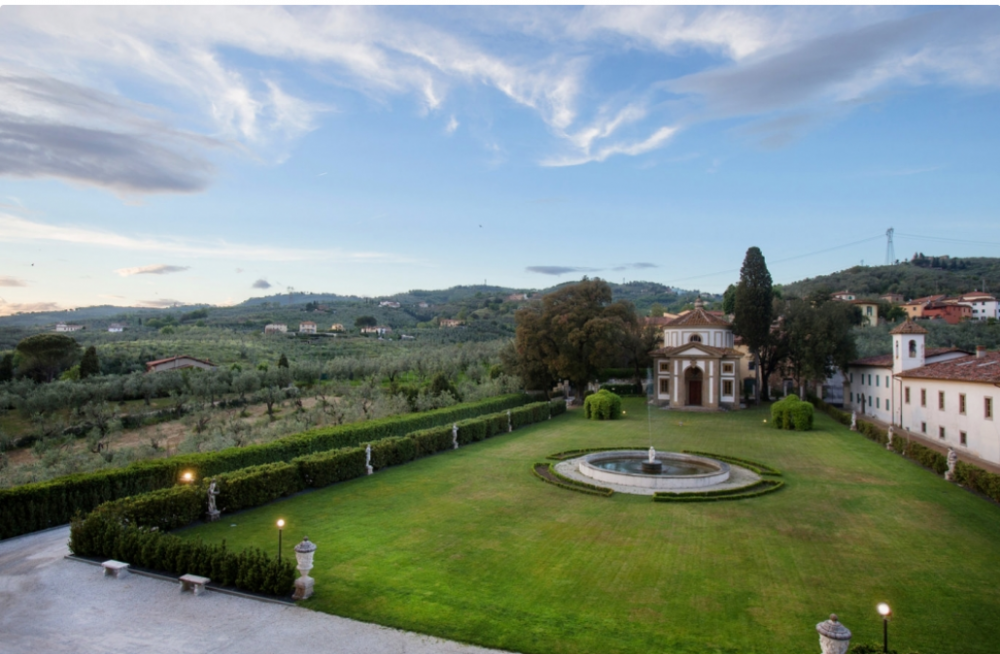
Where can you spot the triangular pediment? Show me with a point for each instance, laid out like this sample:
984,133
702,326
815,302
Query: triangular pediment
694,349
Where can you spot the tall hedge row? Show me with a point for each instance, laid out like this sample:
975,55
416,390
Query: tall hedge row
37,506
133,529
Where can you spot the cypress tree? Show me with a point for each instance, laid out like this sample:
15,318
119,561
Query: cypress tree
283,361
7,367
89,365
752,307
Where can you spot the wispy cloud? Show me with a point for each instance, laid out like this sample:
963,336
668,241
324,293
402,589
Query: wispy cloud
15,229
654,141
451,126
159,304
10,308
559,270
635,266
261,283
11,282
155,269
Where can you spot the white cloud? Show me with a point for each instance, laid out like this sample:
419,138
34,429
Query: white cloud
656,140
154,269
15,229
451,126
11,282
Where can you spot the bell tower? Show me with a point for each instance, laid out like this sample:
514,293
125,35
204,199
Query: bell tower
907,347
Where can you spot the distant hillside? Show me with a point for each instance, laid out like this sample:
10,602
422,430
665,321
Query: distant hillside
919,277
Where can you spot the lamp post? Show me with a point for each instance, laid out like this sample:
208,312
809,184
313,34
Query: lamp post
281,526
885,612
187,477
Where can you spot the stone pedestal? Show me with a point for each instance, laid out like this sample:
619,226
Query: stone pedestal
369,469
304,552
214,515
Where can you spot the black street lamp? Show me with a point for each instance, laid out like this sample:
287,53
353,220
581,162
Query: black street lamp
281,526
885,612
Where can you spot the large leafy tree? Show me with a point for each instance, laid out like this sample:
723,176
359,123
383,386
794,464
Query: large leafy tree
819,339
753,309
43,356
571,334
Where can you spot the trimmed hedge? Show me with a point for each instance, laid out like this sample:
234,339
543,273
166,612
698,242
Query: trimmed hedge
763,487
623,389
252,569
547,473
792,413
978,480
602,405
133,528
38,506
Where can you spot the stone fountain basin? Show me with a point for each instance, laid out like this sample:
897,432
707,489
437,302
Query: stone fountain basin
716,472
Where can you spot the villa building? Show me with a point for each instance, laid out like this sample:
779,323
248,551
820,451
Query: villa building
944,394
984,306
307,327
178,363
63,327
869,311
275,328
697,367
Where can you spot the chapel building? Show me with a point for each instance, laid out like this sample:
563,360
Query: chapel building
697,367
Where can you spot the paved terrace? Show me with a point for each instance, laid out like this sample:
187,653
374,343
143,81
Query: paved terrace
52,604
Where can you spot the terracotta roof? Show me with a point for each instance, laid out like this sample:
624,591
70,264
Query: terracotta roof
969,368
708,349
978,296
660,320
885,360
909,327
698,318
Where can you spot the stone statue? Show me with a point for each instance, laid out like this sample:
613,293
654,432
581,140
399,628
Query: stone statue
854,420
652,454
213,511
952,460
510,423
368,459
892,432
454,437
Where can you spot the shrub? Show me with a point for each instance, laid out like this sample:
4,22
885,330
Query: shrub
602,405
792,413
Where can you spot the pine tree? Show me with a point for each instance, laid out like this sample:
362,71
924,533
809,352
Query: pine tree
89,364
753,309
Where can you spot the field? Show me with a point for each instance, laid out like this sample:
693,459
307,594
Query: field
468,545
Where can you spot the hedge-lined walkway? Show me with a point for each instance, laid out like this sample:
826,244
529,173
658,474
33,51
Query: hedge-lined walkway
935,445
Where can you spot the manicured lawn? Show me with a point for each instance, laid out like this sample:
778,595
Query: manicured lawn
468,545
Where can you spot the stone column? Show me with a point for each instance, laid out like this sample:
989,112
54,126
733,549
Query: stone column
304,554
834,638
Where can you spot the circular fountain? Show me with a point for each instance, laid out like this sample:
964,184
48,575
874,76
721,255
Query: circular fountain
653,470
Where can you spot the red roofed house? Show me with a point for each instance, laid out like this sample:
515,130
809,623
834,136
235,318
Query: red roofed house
697,367
951,312
178,363
946,395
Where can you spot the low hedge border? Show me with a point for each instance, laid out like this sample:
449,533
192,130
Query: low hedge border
33,507
966,474
759,468
547,473
134,528
763,487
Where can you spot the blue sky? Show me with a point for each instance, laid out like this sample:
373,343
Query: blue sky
151,156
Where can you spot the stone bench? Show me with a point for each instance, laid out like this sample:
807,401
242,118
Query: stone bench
115,569
194,583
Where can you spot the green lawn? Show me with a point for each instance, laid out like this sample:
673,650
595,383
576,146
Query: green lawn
468,545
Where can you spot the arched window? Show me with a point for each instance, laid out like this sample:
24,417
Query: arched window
913,348
694,339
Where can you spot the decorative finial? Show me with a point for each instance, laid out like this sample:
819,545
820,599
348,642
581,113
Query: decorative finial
698,304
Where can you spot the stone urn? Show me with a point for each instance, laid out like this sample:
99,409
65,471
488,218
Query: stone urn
304,552
834,638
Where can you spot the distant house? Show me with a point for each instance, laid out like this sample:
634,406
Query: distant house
846,296
424,305
448,322
178,363
869,311
275,328
984,306
307,327
892,298
337,327
116,328
389,303
63,327
915,308
517,297
951,312
406,337
380,330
